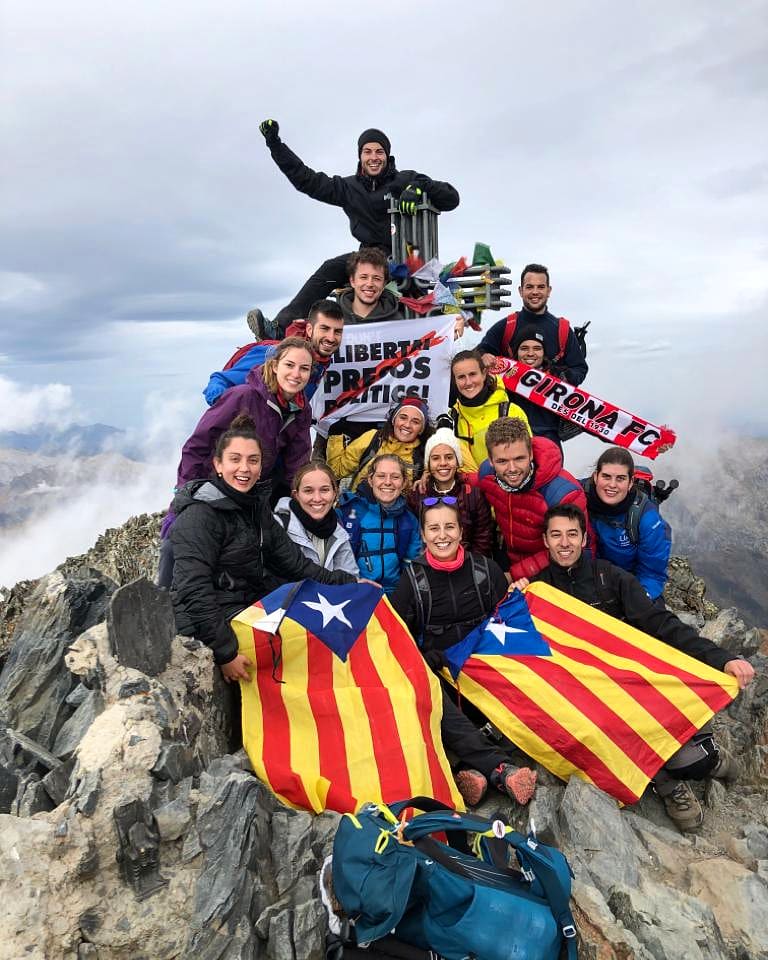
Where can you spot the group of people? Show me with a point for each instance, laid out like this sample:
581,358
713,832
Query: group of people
456,507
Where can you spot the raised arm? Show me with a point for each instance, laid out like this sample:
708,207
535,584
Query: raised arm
314,183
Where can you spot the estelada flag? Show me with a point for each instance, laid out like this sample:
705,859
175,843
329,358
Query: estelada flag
341,707
600,700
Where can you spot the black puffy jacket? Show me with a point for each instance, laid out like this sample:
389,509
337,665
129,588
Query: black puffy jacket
229,552
362,197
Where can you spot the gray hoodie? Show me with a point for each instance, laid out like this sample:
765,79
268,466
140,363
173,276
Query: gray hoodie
338,550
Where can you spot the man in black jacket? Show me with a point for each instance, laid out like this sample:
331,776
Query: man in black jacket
361,197
618,593
562,350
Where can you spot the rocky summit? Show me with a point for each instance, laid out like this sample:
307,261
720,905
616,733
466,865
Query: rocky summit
131,825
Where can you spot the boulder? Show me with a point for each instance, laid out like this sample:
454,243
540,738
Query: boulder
738,899
141,627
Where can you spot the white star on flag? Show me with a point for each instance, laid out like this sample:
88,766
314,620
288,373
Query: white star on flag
500,631
329,611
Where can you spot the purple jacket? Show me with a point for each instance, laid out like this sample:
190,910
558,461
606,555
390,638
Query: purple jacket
288,440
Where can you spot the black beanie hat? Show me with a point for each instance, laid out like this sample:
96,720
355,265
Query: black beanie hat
528,332
373,136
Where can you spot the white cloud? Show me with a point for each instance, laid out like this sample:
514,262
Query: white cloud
23,407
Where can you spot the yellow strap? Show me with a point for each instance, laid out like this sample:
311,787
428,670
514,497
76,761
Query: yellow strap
354,820
381,843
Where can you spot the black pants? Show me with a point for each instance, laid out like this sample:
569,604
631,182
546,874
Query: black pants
462,737
327,277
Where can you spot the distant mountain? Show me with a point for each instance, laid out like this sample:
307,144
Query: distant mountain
719,519
79,440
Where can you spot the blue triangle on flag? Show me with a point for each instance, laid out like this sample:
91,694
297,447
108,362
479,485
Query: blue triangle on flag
336,615
510,632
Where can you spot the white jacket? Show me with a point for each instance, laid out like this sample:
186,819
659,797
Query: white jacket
338,554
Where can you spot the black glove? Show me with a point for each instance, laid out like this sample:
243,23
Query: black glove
270,130
410,198
435,660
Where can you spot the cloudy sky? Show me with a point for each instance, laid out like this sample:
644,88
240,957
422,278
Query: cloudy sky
142,215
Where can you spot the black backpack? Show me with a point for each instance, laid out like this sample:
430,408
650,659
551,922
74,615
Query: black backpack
481,578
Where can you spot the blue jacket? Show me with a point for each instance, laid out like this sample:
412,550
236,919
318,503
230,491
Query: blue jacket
222,380
382,540
648,558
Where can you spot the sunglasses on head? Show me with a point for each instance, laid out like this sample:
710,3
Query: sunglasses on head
432,501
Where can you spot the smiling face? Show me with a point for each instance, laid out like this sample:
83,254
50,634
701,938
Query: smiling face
240,464
469,378
612,482
315,494
407,425
373,159
443,464
531,352
535,291
367,282
325,334
441,531
387,481
565,540
293,370
511,461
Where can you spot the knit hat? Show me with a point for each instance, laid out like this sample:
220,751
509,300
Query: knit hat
416,402
528,332
373,136
446,437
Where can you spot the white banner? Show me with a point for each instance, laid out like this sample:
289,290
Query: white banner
380,363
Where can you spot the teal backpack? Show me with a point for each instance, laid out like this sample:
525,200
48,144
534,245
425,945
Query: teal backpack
493,894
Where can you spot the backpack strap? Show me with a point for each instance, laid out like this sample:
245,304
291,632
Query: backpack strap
563,329
481,579
509,332
369,453
636,509
504,408
422,593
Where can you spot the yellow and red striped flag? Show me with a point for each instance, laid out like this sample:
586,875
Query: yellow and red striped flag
341,708
608,703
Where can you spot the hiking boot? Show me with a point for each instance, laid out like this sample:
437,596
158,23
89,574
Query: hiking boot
683,808
727,768
519,783
472,786
262,327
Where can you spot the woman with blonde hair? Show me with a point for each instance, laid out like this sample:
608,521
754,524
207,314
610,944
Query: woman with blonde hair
383,531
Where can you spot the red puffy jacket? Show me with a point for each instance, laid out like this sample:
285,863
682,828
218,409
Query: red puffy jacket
520,516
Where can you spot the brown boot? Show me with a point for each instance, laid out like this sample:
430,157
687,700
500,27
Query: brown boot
683,808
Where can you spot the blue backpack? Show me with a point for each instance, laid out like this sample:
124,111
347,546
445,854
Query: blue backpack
472,898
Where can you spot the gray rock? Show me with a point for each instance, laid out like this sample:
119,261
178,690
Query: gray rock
132,688
600,934
172,819
31,798
9,786
77,696
591,824
87,790
730,632
141,627
671,925
176,761
291,848
35,683
714,794
74,729
738,899
756,836
542,813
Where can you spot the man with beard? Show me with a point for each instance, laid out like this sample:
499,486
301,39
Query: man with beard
561,348
361,196
521,479
323,329
618,593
